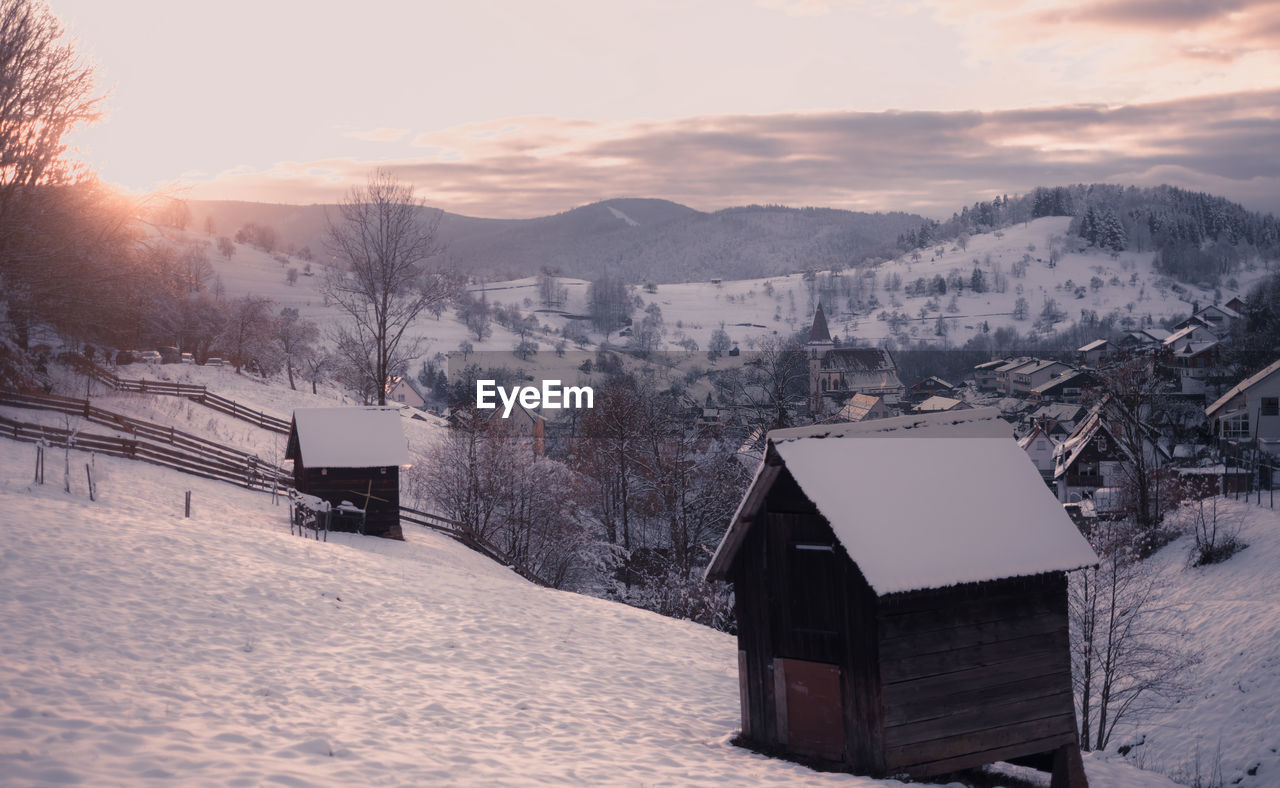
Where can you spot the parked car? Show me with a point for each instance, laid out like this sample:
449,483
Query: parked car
187,358
169,355
213,362
150,356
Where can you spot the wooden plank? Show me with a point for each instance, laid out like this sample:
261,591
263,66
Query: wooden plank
970,671
990,633
1058,728
902,707
981,717
896,623
1049,648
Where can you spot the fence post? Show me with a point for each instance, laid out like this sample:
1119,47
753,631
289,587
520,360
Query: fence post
188,505
88,475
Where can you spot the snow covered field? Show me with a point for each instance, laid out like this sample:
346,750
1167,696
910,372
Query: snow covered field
138,647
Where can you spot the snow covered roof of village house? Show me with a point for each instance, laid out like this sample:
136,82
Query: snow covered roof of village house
987,514
350,437
1242,386
937,402
1094,345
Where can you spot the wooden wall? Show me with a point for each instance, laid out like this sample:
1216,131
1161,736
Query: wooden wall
382,517
975,674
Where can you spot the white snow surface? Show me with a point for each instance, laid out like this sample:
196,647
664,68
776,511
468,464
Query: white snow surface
919,509
138,647
351,437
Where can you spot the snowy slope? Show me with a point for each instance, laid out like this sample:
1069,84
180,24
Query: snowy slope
136,646
1231,719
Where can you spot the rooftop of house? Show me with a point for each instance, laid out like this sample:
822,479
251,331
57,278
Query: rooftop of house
369,437
987,514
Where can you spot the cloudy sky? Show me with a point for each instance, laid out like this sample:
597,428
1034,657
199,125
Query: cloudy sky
513,108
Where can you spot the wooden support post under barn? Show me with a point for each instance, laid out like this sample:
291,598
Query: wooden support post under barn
901,597
352,455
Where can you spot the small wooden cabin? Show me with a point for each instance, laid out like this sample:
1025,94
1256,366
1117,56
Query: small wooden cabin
351,454
901,599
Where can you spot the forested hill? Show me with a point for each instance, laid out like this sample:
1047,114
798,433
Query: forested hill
645,240
1194,237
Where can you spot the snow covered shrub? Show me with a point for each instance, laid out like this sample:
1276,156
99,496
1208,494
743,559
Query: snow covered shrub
1216,532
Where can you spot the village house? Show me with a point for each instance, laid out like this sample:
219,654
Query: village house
984,374
403,391
1023,379
1069,387
1095,455
1250,411
1095,353
1218,318
1194,333
1039,446
860,650
1143,339
351,458
928,387
1004,373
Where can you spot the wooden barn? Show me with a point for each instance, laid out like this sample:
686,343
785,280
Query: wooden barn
902,601
352,455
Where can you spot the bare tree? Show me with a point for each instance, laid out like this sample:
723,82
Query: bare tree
246,335
294,338
45,92
226,247
1127,644
383,240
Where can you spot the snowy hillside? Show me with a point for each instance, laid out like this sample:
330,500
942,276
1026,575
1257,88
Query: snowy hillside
140,646
1229,723
1014,265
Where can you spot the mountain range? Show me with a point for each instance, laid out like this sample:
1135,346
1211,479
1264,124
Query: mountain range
644,240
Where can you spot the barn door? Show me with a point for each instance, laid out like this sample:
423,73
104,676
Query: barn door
810,712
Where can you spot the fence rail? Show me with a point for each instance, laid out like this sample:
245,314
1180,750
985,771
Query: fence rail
253,475
195,393
483,546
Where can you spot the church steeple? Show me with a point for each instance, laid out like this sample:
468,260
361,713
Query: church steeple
818,334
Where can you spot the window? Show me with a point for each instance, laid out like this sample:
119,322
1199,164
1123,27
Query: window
1236,427
1270,406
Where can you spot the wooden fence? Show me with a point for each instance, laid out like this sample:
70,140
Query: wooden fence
483,546
199,394
251,473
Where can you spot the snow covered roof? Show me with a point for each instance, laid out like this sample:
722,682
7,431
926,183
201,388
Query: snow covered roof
350,437
1096,344
1225,310
990,364
1242,386
1017,363
987,514
858,406
1038,365
937,403
1080,378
